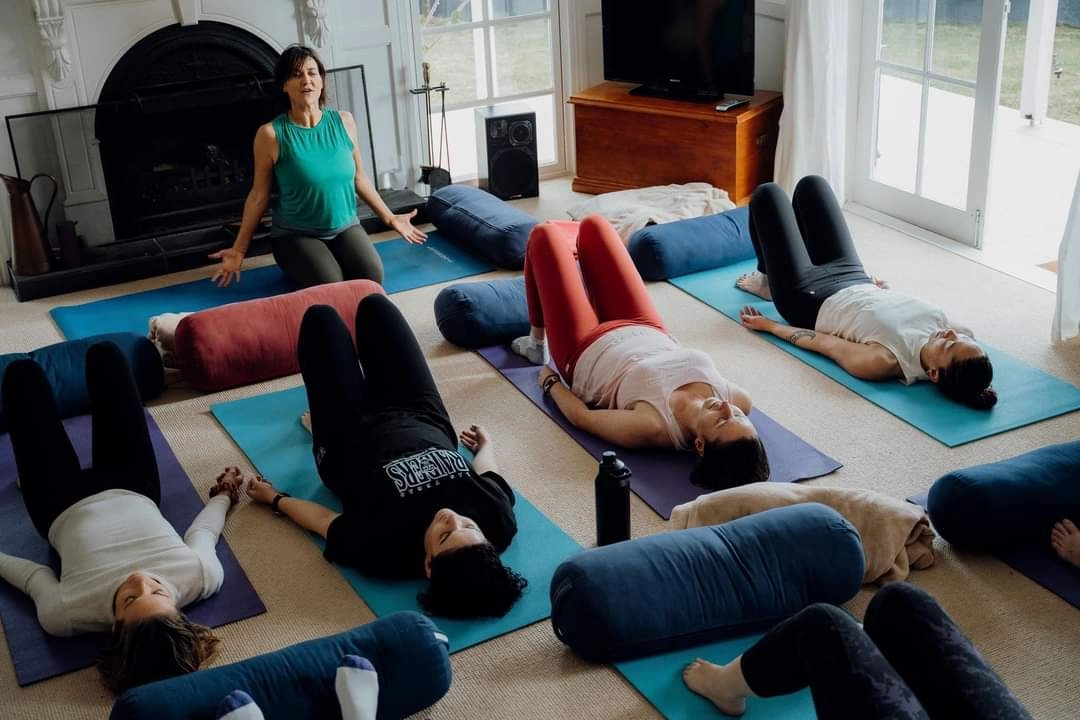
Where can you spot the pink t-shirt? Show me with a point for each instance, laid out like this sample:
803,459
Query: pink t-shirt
638,363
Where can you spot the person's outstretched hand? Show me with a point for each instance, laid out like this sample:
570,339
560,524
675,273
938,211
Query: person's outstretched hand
475,438
229,482
402,225
231,260
261,490
751,317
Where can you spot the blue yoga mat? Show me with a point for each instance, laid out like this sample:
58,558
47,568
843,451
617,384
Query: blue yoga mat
662,477
405,266
37,655
1025,394
267,428
659,679
1035,561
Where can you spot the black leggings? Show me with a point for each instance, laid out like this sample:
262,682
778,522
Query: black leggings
909,661
392,375
804,247
349,255
49,471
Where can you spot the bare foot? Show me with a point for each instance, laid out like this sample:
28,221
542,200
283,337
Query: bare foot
711,682
755,283
881,283
305,420
1065,539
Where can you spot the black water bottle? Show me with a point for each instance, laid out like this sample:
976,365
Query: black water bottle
612,500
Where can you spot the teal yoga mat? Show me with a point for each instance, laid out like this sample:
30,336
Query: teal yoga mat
406,267
267,428
1025,394
659,679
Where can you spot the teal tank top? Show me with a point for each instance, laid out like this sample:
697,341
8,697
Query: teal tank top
315,175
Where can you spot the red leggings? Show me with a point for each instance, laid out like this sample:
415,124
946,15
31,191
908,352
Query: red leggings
575,308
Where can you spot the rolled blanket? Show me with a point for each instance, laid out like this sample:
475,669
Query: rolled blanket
896,535
630,210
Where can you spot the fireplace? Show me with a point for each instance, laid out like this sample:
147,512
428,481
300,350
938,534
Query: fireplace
153,176
175,125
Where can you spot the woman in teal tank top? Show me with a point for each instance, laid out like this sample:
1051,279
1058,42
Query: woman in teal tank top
313,154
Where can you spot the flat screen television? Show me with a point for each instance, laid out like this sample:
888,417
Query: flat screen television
683,49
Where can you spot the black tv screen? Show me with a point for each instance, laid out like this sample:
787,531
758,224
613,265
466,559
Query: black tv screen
690,49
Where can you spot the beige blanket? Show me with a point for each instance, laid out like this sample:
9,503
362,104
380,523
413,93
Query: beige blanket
630,210
896,535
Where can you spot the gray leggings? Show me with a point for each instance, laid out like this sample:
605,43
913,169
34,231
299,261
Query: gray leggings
308,261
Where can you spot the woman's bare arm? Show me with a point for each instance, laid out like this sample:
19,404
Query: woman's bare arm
401,224
258,198
308,515
865,361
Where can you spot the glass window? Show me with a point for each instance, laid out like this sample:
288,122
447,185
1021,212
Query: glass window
522,57
517,8
489,52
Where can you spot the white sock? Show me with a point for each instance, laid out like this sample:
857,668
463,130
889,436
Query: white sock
357,686
238,705
533,350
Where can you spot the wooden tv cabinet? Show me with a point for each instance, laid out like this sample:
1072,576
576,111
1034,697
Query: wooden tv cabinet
628,141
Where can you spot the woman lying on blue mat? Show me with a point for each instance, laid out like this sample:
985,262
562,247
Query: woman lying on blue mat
312,154
908,661
630,382
383,443
808,266
124,567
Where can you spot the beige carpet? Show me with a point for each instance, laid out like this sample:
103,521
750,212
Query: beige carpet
1030,636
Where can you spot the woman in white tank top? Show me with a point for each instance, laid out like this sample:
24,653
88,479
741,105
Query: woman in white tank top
629,382
807,265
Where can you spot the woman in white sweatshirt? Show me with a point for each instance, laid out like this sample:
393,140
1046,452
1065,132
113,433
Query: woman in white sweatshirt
124,568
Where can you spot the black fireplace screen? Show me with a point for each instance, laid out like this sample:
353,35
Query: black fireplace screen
166,152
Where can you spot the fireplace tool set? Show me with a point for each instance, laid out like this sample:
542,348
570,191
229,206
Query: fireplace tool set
433,174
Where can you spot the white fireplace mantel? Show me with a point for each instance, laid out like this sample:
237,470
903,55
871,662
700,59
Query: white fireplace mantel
82,40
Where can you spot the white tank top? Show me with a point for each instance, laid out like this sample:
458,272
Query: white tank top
869,314
638,363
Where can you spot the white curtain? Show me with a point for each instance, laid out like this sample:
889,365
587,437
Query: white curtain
813,125
1067,315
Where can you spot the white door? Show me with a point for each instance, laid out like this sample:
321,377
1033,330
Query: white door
929,86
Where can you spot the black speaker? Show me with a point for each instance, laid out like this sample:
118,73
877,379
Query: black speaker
506,150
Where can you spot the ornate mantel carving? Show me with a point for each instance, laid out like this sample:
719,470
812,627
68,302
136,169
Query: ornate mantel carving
317,21
50,20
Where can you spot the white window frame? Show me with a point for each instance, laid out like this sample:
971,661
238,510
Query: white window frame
557,90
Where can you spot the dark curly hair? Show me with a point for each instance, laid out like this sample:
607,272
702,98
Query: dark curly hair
292,58
161,647
731,464
968,382
471,581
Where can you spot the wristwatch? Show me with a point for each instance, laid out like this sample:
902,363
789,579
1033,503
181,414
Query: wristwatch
274,503
549,382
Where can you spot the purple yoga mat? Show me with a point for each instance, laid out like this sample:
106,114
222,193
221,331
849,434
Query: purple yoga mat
37,655
1036,561
662,477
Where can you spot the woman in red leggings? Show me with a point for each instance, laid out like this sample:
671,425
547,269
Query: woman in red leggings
627,380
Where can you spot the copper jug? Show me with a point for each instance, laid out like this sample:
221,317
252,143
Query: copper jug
30,255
